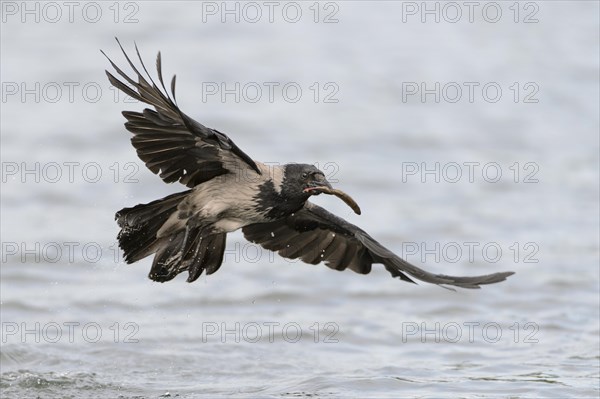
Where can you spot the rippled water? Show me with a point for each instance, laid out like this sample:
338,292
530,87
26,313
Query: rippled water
77,322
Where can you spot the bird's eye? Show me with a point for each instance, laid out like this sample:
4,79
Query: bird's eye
304,175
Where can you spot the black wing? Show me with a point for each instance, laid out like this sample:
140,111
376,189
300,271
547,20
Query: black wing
170,143
315,235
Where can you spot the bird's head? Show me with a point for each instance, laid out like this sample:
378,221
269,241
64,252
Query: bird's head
302,181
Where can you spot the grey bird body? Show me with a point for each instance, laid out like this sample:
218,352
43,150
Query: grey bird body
226,203
228,191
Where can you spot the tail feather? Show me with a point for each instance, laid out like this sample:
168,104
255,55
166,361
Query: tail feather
140,224
194,249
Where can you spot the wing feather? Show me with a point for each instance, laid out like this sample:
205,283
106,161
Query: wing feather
316,235
170,143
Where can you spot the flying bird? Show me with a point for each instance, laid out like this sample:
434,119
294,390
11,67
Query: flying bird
228,190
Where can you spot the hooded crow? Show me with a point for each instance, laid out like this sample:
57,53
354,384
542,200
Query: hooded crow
228,190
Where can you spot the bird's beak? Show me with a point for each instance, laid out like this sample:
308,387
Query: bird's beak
323,186
318,185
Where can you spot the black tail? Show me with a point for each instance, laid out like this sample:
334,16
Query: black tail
187,249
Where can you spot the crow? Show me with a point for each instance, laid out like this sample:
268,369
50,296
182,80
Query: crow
228,190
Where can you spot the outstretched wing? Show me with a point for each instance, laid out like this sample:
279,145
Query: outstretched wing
170,143
315,235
